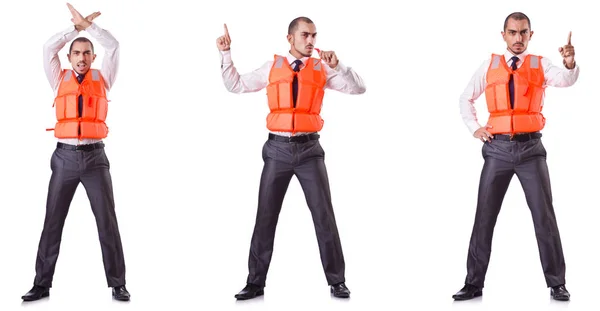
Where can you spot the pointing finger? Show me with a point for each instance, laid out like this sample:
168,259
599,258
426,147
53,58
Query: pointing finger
569,43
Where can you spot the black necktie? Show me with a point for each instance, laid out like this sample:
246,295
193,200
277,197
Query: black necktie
511,82
295,82
80,98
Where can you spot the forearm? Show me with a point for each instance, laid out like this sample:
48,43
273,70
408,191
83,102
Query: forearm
345,79
110,61
245,83
52,65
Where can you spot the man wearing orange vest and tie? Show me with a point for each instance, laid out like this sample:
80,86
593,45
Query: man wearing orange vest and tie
295,85
514,84
81,107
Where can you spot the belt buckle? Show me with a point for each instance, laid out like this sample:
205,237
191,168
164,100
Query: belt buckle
296,139
303,138
86,147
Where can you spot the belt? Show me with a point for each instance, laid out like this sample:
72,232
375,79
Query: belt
518,137
294,139
88,147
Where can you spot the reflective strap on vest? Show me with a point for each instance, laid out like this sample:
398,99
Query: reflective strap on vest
534,62
495,62
95,75
317,65
67,76
279,62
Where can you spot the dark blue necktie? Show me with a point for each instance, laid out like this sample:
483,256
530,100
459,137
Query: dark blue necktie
80,101
295,82
511,82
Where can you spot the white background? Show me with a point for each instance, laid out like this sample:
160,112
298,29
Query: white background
404,170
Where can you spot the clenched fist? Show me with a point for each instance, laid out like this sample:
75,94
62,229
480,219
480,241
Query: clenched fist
329,58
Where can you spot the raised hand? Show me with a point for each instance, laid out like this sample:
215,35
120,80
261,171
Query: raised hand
224,41
329,58
89,18
77,19
568,53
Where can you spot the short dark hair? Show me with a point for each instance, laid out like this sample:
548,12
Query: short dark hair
81,39
517,16
294,23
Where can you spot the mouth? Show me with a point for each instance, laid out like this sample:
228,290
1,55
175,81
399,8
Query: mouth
81,66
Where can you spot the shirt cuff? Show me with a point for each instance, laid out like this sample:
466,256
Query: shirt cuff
341,68
473,126
225,57
573,71
70,33
94,30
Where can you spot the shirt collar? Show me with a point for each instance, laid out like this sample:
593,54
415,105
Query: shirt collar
508,55
291,58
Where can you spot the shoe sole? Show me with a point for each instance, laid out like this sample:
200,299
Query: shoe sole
259,293
121,298
561,298
477,294
34,299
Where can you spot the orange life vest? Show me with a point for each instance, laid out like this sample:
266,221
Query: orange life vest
529,88
90,124
305,117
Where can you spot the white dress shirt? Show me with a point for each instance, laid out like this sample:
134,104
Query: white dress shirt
53,68
553,76
341,78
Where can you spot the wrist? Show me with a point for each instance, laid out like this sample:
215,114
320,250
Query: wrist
569,66
85,24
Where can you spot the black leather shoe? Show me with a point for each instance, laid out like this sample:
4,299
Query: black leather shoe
250,291
37,292
468,292
340,290
120,293
560,292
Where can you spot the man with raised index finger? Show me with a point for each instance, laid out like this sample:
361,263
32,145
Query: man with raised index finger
81,108
295,84
514,84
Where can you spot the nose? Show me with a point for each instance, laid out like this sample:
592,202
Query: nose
519,38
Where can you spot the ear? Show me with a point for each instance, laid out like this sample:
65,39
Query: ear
530,34
503,35
290,39
69,56
94,58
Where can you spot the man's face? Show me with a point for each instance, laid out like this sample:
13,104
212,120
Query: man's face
81,57
517,35
303,39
